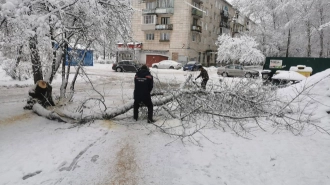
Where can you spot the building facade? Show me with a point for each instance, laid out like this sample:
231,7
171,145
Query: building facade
181,30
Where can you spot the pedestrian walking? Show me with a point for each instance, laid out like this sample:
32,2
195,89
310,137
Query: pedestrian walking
204,75
143,85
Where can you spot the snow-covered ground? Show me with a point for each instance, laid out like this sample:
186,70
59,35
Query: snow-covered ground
34,150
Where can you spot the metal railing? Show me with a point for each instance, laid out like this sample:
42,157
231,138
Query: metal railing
148,11
196,28
164,27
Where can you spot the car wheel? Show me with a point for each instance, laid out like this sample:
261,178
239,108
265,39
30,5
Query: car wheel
119,69
171,67
155,66
248,75
224,74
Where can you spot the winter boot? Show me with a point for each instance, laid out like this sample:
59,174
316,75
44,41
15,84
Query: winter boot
151,121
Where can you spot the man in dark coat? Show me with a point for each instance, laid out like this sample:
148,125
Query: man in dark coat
143,85
40,93
204,75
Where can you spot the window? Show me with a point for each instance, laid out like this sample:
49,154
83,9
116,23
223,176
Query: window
164,36
165,3
165,20
230,67
238,67
196,5
150,36
194,37
195,22
149,19
150,5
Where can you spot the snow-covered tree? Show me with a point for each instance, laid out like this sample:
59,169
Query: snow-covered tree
46,28
289,27
242,49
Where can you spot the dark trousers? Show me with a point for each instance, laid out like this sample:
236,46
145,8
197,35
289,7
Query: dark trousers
146,102
203,84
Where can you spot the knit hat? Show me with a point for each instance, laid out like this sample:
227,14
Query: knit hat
42,84
144,67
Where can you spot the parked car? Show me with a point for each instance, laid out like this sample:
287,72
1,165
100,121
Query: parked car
167,64
237,71
126,65
191,66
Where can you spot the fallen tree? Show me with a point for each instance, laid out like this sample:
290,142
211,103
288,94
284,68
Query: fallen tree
239,106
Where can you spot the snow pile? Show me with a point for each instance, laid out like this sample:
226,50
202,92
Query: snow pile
289,75
311,97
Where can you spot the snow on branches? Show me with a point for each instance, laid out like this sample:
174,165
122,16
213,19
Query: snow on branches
242,49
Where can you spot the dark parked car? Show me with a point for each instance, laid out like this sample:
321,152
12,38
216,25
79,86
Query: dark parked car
126,65
191,66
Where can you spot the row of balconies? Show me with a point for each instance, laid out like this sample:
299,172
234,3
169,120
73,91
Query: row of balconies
224,13
196,28
146,27
158,11
194,11
224,24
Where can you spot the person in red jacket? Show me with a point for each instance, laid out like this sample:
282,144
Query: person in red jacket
143,86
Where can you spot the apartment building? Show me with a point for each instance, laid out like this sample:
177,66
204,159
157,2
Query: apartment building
180,30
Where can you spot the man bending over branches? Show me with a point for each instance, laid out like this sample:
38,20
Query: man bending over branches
204,76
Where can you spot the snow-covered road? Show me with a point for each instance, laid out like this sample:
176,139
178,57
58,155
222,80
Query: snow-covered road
34,150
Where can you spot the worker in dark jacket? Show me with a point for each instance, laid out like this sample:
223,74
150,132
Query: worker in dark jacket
143,85
40,93
204,76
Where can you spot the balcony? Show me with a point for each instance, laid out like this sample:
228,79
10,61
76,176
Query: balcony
197,13
224,13
164,27
196,28
148,11
164,10
224,24
164,40
146,27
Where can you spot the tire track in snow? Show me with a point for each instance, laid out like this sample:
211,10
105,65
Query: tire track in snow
74,162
